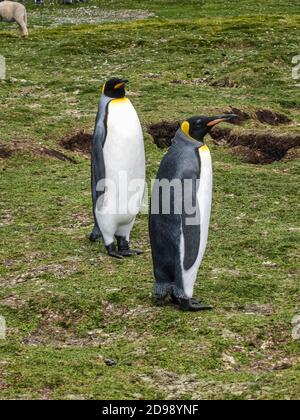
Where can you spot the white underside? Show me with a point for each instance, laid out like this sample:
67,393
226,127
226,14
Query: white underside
124,158
204,196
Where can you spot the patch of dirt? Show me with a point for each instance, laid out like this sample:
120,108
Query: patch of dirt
292,154
61,328
250,156
178,386
152,76
220,135
258,309
7,150
252,147
242,115
268,346
113,311
198,81
88,15
57,270
266,116
80,142
56,328
163,132
175,386
6,218
262,147
13,302
225,82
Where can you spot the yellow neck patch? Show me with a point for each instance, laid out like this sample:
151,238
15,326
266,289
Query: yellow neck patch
119,100
203,148
103,87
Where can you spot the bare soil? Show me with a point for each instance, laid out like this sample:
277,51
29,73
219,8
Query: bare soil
252,146
7,150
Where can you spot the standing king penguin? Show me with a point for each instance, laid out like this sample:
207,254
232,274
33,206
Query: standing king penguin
180,214
117,153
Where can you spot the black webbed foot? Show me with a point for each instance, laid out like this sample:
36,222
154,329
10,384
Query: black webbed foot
193,305
124,249
112,252
96,234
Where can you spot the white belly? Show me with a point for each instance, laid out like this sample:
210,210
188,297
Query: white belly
204,197
124,158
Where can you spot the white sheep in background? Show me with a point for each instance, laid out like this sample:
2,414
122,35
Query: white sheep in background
11,11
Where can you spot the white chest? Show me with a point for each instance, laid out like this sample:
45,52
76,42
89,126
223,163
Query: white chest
124,145
204,197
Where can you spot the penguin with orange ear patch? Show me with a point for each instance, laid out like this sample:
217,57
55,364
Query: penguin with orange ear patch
180,213
117,170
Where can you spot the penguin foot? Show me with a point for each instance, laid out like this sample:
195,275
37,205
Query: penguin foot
130,252
96,235
193,305
112,252
160,301
123,248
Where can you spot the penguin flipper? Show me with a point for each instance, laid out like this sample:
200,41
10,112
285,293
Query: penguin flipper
97,174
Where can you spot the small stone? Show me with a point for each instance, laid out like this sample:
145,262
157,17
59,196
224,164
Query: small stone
110,362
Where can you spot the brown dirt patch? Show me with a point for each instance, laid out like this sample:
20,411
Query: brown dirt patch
266,116
262,147
252,147
241,115
292,154
268,349
61,329
7,150
163,132
80,142
56,270
220,135
199,81
225,82
178,386
56,328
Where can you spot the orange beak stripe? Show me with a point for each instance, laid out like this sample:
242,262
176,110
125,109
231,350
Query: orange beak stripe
119,85
217,121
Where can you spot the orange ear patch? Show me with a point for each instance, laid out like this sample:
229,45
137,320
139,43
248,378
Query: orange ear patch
185,127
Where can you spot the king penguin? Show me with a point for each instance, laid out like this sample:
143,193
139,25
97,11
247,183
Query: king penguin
117,163
180,212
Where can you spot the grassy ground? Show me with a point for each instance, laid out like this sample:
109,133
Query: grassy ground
69,307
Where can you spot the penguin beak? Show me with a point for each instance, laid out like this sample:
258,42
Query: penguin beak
221,118
121,84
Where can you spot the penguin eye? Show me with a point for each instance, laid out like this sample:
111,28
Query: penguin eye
199,122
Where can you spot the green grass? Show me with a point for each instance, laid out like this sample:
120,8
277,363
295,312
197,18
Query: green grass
68,307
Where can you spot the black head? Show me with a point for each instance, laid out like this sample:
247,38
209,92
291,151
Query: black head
115,88
198,127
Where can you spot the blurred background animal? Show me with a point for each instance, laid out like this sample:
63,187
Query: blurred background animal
11,11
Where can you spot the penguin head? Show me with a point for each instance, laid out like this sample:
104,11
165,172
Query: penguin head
115,88
197,127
